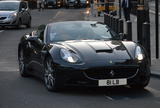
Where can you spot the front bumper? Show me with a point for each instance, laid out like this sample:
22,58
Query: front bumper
9,22
85,77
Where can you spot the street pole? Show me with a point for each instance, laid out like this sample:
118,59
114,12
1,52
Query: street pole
120,9
140,20
157,28
146,39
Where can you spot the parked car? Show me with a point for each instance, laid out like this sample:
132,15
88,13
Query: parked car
53,3
84,3
72,3
14,13
85,53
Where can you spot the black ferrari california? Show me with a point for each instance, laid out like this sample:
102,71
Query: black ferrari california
83,53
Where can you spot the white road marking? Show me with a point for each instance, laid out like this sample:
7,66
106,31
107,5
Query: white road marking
1,31
59,12
110,98
154,91
8,66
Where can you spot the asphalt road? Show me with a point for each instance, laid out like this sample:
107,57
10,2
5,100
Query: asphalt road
18,92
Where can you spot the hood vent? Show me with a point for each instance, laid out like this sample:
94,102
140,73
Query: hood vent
104,50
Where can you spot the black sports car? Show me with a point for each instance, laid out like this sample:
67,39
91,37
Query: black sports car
85,53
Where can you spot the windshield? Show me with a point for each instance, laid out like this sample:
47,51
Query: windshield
82,0
9,6
78,31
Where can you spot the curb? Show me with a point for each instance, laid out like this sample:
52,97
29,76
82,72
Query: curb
155,74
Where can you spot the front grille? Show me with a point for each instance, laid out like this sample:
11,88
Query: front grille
2,18
109,73
5,23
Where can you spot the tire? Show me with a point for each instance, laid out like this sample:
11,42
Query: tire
18,26
29,24
143,82
2,27
22,64
51,80
139,86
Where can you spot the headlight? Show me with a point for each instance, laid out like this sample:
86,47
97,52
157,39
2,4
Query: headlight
69,56
13,15
138,53
87,2
87,12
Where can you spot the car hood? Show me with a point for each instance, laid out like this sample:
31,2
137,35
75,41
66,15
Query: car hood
6,13
99,51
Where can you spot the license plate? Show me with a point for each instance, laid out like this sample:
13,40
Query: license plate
112,82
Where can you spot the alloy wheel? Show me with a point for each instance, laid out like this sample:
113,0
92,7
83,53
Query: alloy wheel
49,75
21,62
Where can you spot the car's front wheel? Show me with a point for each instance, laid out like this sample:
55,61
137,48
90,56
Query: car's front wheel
22,64
143,80
18,26
51,80
2,27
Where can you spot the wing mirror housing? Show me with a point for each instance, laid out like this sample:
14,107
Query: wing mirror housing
23,9
32,38
35,39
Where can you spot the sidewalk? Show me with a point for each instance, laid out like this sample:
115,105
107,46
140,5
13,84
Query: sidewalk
155,63
155,67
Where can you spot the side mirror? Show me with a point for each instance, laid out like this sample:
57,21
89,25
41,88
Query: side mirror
35,39
23,9
34,33
32,38
41,27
